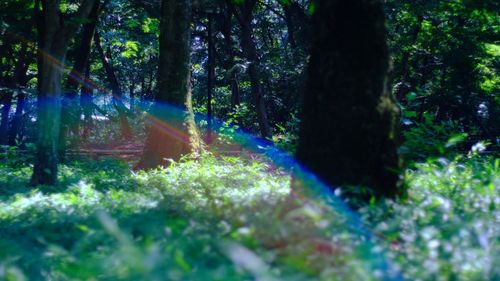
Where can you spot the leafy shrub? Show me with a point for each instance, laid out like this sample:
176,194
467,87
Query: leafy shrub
449,228
429,138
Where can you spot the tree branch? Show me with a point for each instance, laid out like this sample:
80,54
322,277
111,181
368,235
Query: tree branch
83,12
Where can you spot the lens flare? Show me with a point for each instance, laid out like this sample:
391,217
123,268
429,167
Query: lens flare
309,185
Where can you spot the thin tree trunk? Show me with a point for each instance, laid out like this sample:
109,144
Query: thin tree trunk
132,96
290,24
16,121
210,78
4,125
21,79
86,105
348,132
149,91
126,130
232,75
235,93
249,47
298,24
13,83
70,112
143,87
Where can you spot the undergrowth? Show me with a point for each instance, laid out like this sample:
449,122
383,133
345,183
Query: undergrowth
231,219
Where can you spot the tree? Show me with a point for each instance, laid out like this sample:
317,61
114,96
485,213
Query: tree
211,76
14,81
55,32
16,54
232,70
348,132
244,14
174,88
297,23
116,91
76,78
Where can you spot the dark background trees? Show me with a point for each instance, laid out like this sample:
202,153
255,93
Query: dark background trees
444,67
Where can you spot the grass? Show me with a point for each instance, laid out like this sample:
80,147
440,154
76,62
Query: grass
231,219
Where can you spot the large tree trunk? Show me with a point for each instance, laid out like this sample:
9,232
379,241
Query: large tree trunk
118,103
168,137
249,46
70,111
348,132
54,37
49,110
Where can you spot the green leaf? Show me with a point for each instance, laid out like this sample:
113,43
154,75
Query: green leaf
312,8
455,139
150,25
131,49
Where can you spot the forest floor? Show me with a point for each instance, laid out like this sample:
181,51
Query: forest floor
233,219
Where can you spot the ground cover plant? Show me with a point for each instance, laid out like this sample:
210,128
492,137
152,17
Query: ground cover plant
228,219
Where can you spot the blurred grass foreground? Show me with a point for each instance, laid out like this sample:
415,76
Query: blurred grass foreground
234,219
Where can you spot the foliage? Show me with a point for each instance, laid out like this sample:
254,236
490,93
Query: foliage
430,138
445,63
449,227
229,219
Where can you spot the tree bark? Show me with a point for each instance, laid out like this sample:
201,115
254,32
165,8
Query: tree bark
232,76
245,17
132,95
17,120
210,78
168,136
54,36
4,124
290,24
126,130
86,105
348,132
70,111
298,24
13,82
